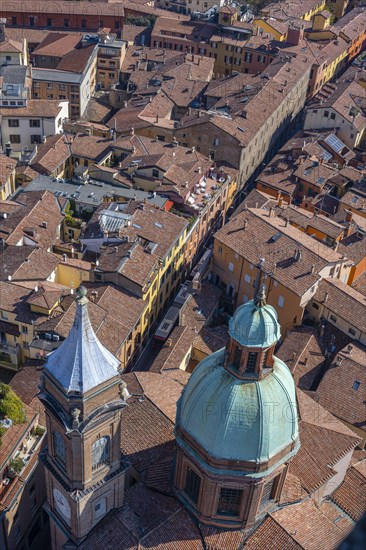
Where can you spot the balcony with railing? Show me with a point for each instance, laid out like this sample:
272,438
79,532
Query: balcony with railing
10,356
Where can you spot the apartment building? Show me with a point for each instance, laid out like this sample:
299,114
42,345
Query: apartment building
144,254
116,317
340,106
342,389
233,48
341,44
340,305
111,53
245,116
65,69
33,218
258,248
24,127
81,17
189,6
282,11
51,158
195,187
22,489
12,52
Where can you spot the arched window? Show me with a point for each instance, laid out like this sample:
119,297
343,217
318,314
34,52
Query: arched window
59,449
100,452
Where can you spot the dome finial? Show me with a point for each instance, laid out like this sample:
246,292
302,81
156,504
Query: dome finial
81,293
260,299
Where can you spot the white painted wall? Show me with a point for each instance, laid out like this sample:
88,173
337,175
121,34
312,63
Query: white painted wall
315,120
49,126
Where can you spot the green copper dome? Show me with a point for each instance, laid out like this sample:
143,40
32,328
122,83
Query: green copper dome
240,419
255,325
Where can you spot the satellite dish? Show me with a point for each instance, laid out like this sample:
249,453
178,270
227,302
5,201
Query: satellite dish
9,277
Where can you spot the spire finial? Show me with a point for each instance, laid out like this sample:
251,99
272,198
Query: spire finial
81,293
260,298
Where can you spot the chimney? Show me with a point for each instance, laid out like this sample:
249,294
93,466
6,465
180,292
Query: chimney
313,269
349,349
157,119
293,356
338,361
280,200
297,255
271,212
245,224
8,149
286,222
2,30
326,297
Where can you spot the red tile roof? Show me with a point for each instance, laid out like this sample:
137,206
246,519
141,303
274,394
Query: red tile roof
351,495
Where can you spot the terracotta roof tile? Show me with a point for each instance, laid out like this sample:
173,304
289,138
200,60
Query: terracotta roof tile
272,536
179,531
57,44
261,227
324,441
50,155
314,526
7,167
148,434
351,495
27,263
25,383
343,301
217,539
302,352
166,402
35,108
91,147
342,391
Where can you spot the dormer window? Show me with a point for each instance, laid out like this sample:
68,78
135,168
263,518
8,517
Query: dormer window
251,361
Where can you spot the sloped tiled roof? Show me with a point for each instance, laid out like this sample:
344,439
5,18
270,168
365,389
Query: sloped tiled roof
351,495
342,391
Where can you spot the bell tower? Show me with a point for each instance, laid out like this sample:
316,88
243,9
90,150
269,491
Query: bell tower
83,396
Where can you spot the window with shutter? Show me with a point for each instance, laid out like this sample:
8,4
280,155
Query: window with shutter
267,494
229,502
193,485
251,361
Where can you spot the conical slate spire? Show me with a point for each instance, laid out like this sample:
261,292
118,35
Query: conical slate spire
81,362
